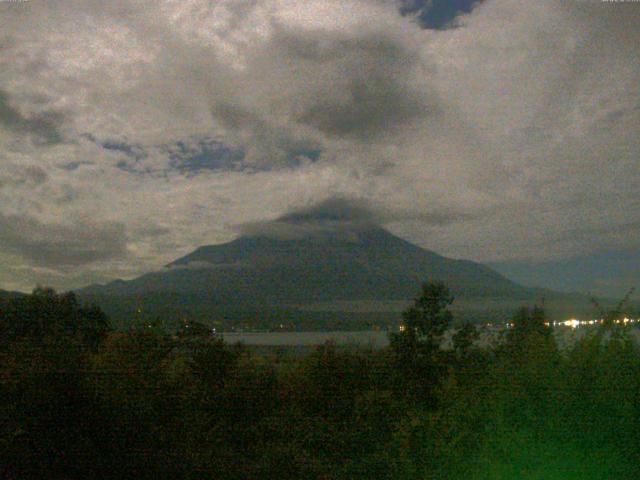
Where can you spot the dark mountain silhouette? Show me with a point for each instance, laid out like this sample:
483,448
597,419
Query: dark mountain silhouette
604,273
355,263
5,294
331,267
332,258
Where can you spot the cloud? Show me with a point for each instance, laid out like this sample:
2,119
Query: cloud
41,126
369,93
513,135
61,246
198,265
334,209
329,217
337,216
29,175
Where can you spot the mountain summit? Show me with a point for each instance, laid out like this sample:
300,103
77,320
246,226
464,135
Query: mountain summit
360,262
324,271
330,258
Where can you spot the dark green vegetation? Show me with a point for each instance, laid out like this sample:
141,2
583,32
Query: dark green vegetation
4,294
81,401
338,276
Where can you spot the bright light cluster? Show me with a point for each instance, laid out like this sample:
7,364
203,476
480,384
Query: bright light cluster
572,323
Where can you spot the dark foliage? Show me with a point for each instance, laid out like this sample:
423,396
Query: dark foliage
78,401
44,314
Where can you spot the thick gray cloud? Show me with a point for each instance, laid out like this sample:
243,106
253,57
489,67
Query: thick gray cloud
43,127
370,93
330,216
510,137
30,175
335,209
59,245
338,215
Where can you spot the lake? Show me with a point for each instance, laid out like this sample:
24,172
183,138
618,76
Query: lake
284,339
565,336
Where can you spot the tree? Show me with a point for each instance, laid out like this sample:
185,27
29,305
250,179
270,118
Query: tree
194,329
464,338
614,315
46,313
528,322
419,359
429,317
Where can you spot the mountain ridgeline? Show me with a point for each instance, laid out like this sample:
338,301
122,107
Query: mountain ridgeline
6,295
342,271
355,264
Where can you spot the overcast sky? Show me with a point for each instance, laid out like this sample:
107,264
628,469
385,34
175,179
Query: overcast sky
132,132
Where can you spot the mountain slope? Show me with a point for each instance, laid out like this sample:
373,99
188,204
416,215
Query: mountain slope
6,294
341,276
349,264
605,274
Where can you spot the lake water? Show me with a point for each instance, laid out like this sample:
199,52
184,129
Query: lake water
366,339
306,339
564,336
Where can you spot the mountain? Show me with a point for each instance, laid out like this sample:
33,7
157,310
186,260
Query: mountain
339,271
604,273
5,294
343,265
